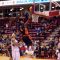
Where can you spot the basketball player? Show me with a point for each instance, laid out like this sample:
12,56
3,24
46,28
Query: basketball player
26,37
30,51
58,55
15,48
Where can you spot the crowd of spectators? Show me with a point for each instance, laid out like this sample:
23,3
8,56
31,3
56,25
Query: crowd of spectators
37,30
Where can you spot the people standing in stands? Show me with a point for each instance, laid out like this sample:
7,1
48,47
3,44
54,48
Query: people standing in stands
18,24
37,51
22,50
9,50
58,53
38,31
59,44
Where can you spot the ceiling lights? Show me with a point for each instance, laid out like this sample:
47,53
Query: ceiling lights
11,9
21,8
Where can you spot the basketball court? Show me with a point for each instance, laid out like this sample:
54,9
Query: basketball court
23,58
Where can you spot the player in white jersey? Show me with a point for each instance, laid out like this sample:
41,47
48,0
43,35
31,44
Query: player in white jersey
15,49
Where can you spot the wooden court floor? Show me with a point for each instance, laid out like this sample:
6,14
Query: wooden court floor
23,58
